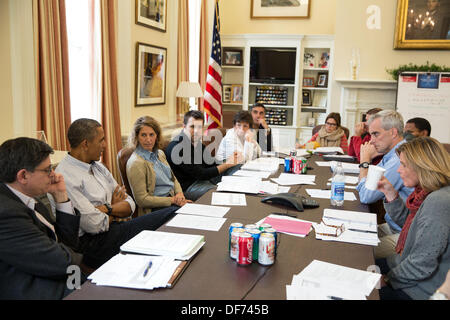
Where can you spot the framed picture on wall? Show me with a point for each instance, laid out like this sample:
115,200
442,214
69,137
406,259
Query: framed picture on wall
422,24
281,9
152,14
151,64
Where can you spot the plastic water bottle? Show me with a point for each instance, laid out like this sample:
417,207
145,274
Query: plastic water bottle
338,186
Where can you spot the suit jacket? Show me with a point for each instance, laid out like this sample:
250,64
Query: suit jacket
33,265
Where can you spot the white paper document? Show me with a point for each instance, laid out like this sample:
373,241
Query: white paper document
348,167
349,179
326,194
256,174
196,222
327,281
240,184
203,210
328,150
289,179
176,245
262,164
127,270
228,199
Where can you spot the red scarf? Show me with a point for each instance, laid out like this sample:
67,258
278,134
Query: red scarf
413,203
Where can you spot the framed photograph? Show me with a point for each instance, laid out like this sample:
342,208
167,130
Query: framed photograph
232,57
306,98
308,82
226,94
322,80
152,14
281,9
422,24
237,91
150,74
324,59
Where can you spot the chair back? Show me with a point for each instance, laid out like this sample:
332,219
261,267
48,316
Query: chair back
122,157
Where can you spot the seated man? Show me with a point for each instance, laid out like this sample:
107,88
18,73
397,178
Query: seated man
191,161
362,136
35,253
417,127
263,131
386,129
240,138
100,200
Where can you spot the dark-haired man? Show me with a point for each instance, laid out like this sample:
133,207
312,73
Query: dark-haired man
102,202
35,249
192,162
417,127
263,131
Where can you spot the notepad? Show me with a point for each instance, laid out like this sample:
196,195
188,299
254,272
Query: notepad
290,226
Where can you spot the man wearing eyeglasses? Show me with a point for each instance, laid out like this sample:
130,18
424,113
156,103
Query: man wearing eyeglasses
35,248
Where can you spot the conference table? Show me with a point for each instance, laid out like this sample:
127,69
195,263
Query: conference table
213,275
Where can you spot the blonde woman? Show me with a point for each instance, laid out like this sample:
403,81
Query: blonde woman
151,180
423,251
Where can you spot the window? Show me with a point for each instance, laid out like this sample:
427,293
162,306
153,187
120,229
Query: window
194,42
83,35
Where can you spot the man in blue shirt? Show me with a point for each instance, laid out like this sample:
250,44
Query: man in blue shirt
386,130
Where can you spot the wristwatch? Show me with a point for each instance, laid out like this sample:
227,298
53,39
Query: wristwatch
109,208
364,165
439,296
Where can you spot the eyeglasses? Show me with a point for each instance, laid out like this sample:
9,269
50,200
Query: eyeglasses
339,230
331,124
48,170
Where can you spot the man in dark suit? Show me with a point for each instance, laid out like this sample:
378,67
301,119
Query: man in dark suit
35,252
263,131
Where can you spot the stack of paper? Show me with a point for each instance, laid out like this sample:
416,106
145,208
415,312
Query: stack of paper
228,199
327,281
359,227
176,245
199,216
127,270
240,184
289,179
253,174
348,167
328,150
326,194
262,164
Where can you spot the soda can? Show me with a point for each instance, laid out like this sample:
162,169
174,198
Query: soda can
250,226
255,233
230,230
266,252
274,233
245,249
297,165
287,164
264,226
293,153
234,242
304,168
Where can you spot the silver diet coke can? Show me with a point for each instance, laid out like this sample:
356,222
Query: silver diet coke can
234,242
266,253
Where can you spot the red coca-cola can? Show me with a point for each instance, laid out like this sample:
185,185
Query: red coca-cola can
245,251
298,165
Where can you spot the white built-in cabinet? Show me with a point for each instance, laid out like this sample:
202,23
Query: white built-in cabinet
293,124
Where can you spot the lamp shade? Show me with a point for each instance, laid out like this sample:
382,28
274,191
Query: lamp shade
189,90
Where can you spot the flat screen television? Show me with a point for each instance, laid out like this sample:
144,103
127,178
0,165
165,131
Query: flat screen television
272,65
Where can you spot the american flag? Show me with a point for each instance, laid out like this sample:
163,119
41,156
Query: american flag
213,92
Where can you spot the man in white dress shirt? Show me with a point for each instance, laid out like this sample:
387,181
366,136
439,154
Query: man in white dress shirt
240,138
103,204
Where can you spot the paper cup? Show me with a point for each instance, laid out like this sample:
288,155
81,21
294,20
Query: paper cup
373,176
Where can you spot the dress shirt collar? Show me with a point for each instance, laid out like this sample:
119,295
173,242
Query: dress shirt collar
28,201
392,153
147,155
80,164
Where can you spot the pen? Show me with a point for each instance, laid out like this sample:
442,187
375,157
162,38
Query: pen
365,231
335,298
286,214
147,268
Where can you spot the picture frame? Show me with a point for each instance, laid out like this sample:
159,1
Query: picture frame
151,68
152,14
232,57
280,9
322,79
412,15
237,92
306,98
226,93
309,82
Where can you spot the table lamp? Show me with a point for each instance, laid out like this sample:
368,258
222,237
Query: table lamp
188,90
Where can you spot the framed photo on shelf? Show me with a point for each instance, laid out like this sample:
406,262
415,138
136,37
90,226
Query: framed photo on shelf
232,57
281,9
152,14
322,79
150,74
325,57
422,25
237,91
306,98
308,82
226,94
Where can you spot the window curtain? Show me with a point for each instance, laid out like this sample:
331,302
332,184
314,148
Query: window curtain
183,50
109,87
52,71
203,56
